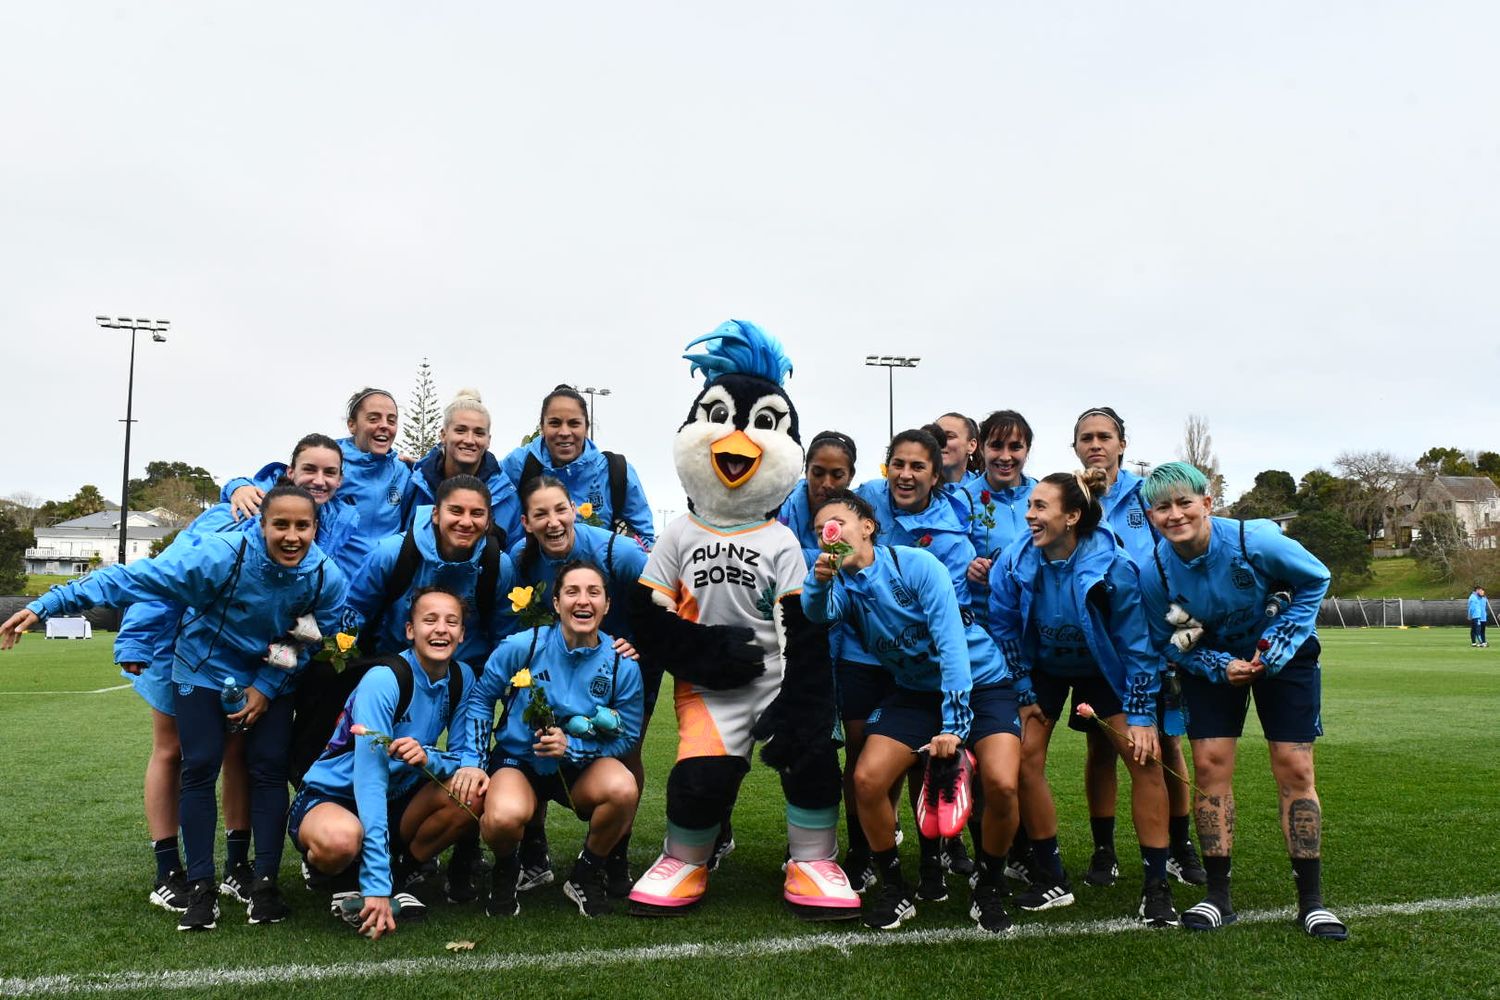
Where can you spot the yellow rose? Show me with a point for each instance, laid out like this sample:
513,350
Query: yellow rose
585,510
882,470
344,641
520,598
521,679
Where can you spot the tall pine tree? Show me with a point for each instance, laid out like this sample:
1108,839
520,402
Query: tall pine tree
423,418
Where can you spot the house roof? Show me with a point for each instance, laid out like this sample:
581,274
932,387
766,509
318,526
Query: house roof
1470,488
156,523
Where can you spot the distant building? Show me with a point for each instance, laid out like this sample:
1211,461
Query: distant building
75,546
1474,501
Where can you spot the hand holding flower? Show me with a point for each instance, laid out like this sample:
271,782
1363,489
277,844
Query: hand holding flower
407,751
1086,711
551,742
831,540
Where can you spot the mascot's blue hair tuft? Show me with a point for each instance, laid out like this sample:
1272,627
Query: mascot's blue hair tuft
739,347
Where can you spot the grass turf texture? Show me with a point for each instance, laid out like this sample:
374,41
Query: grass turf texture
1407,776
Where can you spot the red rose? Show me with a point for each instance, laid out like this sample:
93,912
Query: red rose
1263,645
925,541
984,496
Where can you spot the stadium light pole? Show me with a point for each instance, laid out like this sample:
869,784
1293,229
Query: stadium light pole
890,363
158,331
1142,467
591,392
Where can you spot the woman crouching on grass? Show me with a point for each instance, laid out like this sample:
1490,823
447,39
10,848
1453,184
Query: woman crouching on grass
1065,608
246,594
1211,601
572,705
358,802
951,689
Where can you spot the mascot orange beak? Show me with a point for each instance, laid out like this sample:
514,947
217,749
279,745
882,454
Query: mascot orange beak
736,458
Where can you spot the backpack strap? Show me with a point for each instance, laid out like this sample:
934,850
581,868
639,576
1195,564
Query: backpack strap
489,575
894,558
455,690
398,583
617,482
609,555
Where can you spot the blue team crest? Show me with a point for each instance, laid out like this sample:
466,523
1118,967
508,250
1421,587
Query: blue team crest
599,686
901,594
1134,517
1241,577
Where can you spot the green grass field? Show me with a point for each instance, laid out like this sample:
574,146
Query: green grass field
1405,578
1407,773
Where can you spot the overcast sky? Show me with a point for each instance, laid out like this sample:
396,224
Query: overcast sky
1280,216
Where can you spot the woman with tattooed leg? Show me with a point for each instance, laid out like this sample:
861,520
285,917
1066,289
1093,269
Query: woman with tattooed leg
1209,601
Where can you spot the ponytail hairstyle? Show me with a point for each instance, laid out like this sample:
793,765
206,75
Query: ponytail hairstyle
531,553
316,440
357,400
286,488
1100,411
1080,494
832,439
856,503
563,390
928,437
974,462
1003,423
465,401
576,564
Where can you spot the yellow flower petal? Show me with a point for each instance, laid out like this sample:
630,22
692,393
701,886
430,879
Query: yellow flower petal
520,598
344,641
585,510
521,678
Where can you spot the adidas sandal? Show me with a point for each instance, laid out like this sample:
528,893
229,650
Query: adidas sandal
1321,923
1207,916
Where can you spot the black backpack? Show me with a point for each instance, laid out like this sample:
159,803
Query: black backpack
405,571
617,480
324,693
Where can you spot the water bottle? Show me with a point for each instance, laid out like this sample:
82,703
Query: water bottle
232,698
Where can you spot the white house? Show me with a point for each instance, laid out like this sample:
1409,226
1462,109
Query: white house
70,547
1474,501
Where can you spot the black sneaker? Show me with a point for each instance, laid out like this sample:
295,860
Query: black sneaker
202,913
502,901
1104,868
238,881
890,908
1185,867
422,872
860,867
1156,908
171,893
266,904
956,857
987,909
536,865
314,880
617,880
931,886
723,847
407,908
460,885
1045,894
1020,868
586,887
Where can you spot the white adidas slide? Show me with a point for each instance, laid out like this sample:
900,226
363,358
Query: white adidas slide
1207,916
1321,923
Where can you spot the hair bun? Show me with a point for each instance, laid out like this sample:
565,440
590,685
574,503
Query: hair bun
467,394
1094,481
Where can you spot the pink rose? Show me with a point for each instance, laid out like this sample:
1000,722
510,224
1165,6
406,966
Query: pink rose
1085,710
358,730
833,532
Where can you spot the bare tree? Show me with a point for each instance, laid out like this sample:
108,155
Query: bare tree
1378,476
1198,451
22,508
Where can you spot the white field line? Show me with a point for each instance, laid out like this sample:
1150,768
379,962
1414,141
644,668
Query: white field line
159,980
117,687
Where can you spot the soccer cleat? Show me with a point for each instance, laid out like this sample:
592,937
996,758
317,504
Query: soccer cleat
1021,869
407,909
1321,923
944,805
987,909
931,887
723,847
819,890
336,903
237,883
421,873
1156,908
955,857
459,886
266,904
202,913
859,866
670,887
1046,895
890,908
1104,868
314,880
1208,916
586,886
617,880
171,893
536,866
1185,866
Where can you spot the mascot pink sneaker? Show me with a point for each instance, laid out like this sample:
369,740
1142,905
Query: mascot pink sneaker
669,887
819,890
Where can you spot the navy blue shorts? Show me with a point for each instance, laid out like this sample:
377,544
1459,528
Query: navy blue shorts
913,718
546,787
309,797
1289,704
861,688
1052,693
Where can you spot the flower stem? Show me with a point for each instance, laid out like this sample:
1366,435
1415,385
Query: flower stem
1122,737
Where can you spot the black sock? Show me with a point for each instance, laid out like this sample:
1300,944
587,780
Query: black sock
167,861
1103,828
402,865
1309,875
1218,880
888,863
622,849
589,858
1048,857
991,869
465,853
1155,860
1180,831
931,849
236,848
1020,847
507,867
857,839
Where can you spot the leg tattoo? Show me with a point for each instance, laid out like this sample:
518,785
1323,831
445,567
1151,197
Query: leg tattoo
1304,828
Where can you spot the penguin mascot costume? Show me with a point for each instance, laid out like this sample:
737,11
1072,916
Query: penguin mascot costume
719,608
